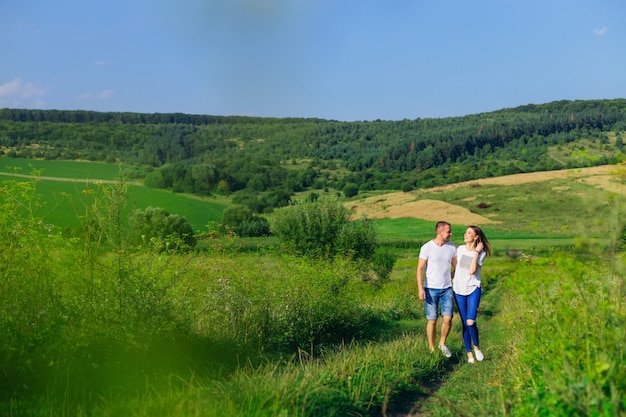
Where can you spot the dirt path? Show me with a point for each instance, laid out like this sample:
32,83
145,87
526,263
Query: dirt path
78,180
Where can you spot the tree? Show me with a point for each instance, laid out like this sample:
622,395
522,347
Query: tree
350,190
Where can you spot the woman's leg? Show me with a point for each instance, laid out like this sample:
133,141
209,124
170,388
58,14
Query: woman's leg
461,303
473,301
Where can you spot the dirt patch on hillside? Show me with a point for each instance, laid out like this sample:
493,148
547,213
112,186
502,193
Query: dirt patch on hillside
400,204
434,210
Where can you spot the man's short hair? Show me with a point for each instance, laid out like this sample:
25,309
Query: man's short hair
440,225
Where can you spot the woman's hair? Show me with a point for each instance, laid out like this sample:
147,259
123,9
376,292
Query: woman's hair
482,238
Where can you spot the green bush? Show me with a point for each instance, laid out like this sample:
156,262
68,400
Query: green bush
383,263
357,239
155,227
350,190
323,229
241,220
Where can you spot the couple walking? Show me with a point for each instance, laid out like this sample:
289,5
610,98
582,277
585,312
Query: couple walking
440,261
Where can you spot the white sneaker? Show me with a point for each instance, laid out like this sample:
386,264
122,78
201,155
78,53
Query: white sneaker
479,355
470,360
445,351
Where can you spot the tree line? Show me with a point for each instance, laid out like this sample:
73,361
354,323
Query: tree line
262,162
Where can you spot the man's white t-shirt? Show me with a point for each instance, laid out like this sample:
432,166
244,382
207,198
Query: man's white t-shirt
464,283
438,262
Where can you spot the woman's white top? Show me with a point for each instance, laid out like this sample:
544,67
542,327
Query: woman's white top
464,283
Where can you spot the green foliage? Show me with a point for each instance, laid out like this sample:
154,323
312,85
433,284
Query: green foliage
350,190
572,346
357,239
91,327
383,263
323,229
244,222
31,310
155,227
275,306
154,179
212,154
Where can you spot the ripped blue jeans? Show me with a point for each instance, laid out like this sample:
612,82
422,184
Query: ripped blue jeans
468,309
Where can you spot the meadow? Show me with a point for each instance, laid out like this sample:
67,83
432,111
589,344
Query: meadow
62,186
92,329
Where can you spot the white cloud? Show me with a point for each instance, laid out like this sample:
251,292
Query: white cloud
10,89
16,92
601,31
102,95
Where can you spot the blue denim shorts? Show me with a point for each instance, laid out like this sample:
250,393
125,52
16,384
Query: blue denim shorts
438,299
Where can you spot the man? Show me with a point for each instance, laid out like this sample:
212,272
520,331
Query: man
437,258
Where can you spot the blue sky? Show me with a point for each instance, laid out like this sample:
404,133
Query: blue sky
333,59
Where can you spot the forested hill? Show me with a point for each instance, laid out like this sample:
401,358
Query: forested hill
263,161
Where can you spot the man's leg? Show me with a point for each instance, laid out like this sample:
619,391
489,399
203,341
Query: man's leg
431,333
446,325
446,301
431,306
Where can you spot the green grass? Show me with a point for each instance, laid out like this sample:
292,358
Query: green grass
80,170
63,203
548,208
266,334
406,232
63,200
542,358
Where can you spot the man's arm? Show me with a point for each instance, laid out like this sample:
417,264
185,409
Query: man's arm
421,264
453,263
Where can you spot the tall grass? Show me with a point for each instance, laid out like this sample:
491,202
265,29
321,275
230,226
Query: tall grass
93,327
571,348
552,333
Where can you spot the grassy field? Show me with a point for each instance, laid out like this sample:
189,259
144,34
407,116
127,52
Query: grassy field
79,170
64,199
263,333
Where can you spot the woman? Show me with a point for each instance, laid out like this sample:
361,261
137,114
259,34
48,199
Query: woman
466,286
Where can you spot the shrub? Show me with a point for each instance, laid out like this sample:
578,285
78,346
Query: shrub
383,263
256,227
241,220
323,229
155,226
272,303
154,179
357,239
350,190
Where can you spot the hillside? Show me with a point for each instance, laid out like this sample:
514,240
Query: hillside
417,204
263,162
